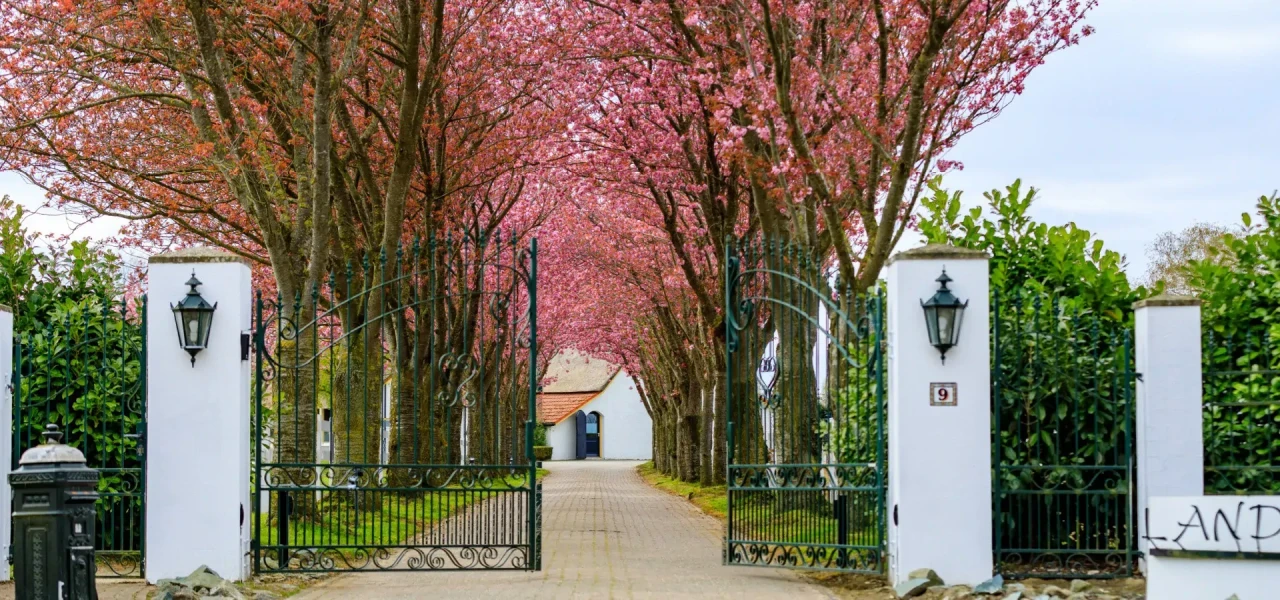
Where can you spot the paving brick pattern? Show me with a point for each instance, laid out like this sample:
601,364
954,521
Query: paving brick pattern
606,534
108,589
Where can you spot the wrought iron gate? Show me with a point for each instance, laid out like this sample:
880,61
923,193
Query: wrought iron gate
85,371
1063,393
806,415
395,411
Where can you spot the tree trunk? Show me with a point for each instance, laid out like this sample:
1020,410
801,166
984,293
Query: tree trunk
357,379
669,437
749,443
294,424
706,460
720,436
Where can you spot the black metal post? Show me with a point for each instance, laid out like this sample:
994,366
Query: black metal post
283,502
53,522
842,528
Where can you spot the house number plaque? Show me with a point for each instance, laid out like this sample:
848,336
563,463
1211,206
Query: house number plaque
942,394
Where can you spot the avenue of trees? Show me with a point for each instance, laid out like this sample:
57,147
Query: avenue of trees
633,139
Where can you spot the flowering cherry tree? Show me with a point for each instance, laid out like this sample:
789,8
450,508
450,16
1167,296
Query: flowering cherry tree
833,114
300,135
814,123
636,139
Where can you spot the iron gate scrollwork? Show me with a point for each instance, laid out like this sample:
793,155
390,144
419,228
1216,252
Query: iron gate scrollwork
806,414
84,369
425,365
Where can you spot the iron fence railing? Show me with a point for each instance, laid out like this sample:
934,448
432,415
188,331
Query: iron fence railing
1241,410
84,369
1063,415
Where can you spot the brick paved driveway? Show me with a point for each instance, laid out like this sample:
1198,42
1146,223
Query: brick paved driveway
606,534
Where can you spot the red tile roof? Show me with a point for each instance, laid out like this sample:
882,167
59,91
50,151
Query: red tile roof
554,408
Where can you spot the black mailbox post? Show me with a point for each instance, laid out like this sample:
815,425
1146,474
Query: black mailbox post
53,521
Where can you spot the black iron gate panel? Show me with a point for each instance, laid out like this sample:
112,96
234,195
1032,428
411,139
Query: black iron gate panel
394,414
806,408
1063,414
85,371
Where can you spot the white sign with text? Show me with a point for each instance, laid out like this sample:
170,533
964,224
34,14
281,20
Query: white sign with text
1210,547
1236,524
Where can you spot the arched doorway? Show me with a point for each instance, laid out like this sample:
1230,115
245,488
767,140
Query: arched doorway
594,421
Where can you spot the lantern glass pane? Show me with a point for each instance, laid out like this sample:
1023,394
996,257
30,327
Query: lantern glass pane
955,329
946,318
206,317
931,323
190,328
182,330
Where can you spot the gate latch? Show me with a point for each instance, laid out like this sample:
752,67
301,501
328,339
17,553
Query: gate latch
244,345
139,436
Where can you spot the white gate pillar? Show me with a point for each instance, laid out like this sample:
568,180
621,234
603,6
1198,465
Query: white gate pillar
6,432
197,421
1170,438
939,442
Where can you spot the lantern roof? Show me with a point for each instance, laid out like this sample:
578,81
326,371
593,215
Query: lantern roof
943,297
193,299
52,451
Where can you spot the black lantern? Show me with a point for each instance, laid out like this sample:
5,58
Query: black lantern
193,316
943,314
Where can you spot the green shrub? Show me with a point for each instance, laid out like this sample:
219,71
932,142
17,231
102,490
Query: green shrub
1239,285
80,353
1064,261
542,452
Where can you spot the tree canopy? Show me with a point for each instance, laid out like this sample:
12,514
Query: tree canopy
633,138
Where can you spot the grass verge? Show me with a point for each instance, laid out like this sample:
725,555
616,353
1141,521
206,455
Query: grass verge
397,518
713,500
758,514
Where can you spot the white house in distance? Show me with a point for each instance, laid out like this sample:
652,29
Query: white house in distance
592,409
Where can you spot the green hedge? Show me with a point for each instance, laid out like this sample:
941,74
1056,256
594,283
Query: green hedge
1239,285
79,362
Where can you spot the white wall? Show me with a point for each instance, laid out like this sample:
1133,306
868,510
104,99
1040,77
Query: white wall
1170,440
562,438
197,423
626,431
1212,579
1223,545
939,456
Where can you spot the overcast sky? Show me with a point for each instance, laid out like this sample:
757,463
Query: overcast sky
1168,115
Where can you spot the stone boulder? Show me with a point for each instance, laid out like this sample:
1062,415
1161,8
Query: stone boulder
201,583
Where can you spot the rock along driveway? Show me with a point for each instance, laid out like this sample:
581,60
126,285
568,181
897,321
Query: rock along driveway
606,534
